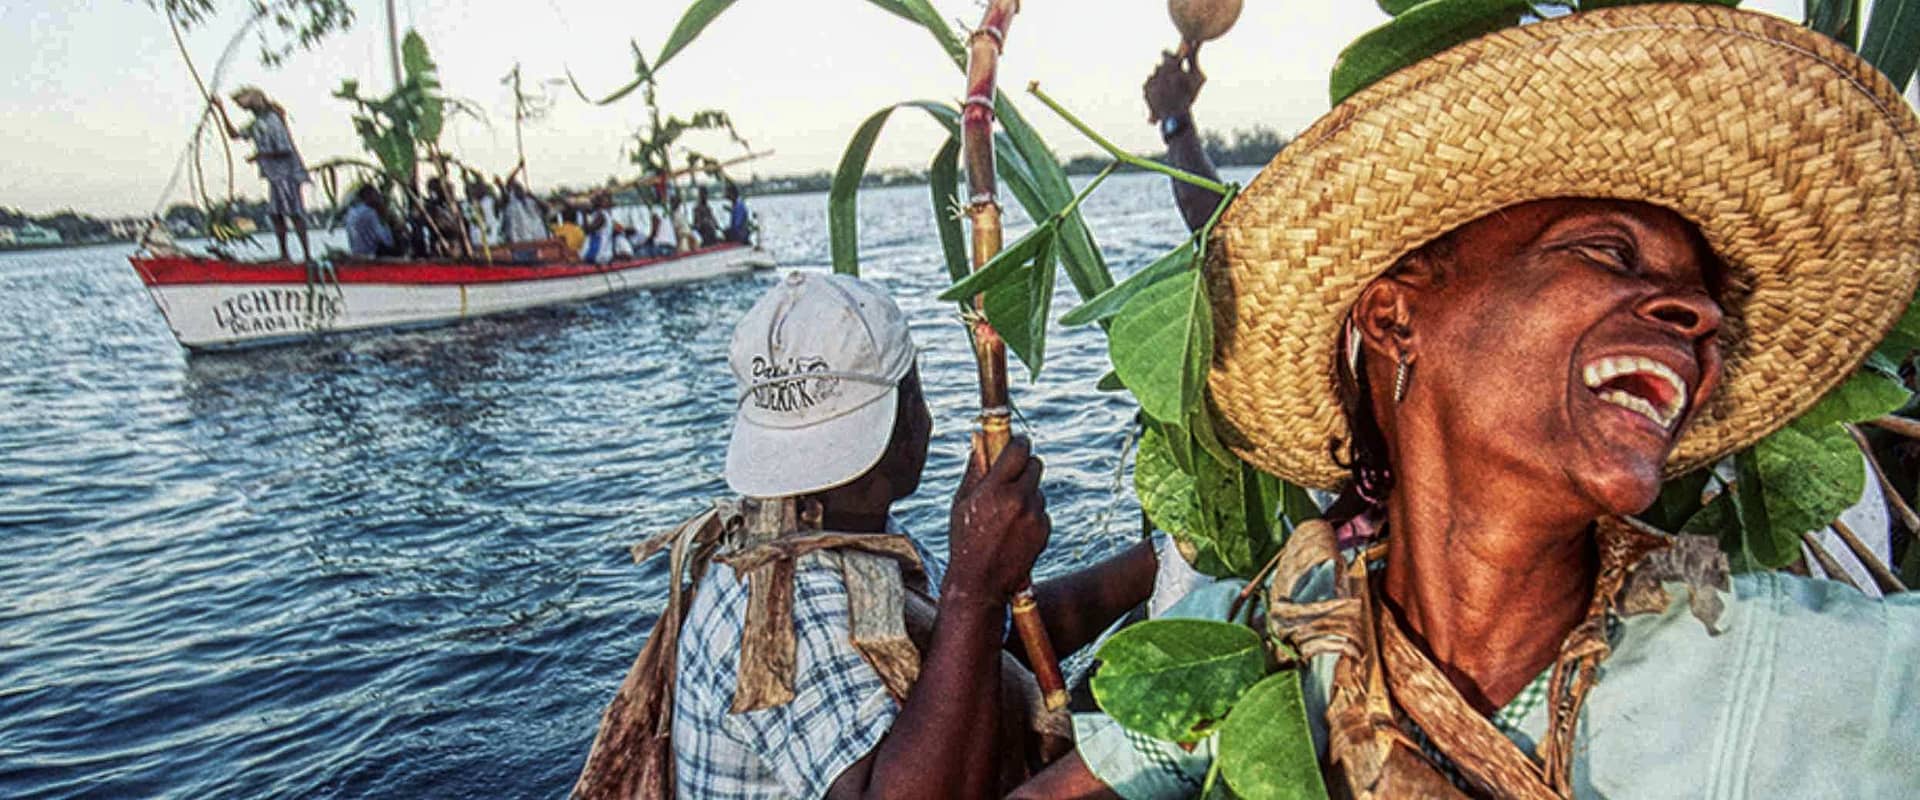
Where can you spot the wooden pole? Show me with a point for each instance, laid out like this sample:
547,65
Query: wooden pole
989,350
1883,578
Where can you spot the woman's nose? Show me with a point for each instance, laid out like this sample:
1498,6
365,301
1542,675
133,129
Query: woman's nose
1693,315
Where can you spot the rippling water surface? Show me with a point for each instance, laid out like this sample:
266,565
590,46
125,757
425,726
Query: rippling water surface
395,564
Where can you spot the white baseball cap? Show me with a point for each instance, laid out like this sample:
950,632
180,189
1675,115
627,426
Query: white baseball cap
819,360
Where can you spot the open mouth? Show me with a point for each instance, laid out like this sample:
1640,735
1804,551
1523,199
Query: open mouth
1641,385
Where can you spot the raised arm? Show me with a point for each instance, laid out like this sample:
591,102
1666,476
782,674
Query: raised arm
945,742
1170,92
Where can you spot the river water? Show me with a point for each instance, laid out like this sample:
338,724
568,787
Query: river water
395,564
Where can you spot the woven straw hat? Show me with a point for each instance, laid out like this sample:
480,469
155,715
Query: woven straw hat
1798,161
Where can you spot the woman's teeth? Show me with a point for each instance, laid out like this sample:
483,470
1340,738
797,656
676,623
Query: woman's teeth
1600,371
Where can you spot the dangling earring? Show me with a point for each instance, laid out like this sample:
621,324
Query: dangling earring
1400,377
1353,348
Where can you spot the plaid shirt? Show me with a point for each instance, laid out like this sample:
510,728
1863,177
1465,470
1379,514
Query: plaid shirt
840,707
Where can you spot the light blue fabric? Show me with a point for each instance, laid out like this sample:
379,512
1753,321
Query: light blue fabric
1810,690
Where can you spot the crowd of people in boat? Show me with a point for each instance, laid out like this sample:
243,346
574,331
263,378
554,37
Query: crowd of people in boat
497,221
491,222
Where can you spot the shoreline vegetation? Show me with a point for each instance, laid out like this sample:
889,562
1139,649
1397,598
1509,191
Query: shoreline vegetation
1243,147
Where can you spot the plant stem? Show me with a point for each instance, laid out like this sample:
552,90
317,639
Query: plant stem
1122,155
1068,209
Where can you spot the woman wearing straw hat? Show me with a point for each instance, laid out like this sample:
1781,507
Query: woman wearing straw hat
279,163
1496,297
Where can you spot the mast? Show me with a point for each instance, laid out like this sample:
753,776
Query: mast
393,44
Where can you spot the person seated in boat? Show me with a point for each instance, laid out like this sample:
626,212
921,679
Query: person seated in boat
278,161
482,212
447,233
704,224
622,242
832,421
637,243
1496,360
660,239
683,240
568,230
598,247
522,215
739,223
368,235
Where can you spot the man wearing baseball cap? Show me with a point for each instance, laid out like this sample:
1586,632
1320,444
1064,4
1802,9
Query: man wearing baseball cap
831,413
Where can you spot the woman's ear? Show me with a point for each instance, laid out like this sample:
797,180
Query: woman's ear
1382,316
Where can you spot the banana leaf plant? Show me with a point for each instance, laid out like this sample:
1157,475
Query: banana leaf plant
651,148
402,129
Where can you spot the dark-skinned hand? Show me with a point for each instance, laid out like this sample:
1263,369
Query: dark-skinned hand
1174,84
999,524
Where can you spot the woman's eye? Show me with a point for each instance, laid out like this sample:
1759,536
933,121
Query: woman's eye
1612,256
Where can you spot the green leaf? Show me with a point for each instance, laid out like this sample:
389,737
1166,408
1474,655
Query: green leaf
1079,255
696,19
922,12
1166,489
943,178
1266,744
1904,339
1110,382
1171,678
1421,31
1149,341
1222,525
1795,481
414,57
1871,393
1004,266
1039,307
1296,504
1106,304
1395,8
843,212
1892,42
1679,501
1839,19
1720,519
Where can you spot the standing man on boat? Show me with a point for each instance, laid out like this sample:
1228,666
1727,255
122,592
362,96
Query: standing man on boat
278,160
831,430
738,226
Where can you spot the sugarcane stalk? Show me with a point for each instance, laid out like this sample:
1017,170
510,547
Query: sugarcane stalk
1882,577
1827,564
1900,507
989,350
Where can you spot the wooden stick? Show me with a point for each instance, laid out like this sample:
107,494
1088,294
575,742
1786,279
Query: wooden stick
1827,564
989,350
1900,507
1882,577
1900,425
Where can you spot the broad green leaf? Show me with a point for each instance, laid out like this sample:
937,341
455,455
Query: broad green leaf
1165,490
1149,340
696,19
1871,393
1904,339
1678,502
1079,255
1222,524
1106,304
414,57
1795,481
943,181
1395,8
1010,310
1266,744
1839,19
1421,31
1172,678
1110,382
1040,306
1296,504
1892,41
1004,266
1198,360
843,212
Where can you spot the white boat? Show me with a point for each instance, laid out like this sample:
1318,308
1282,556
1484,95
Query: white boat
217,304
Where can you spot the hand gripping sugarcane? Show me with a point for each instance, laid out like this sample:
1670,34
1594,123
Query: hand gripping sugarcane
989,350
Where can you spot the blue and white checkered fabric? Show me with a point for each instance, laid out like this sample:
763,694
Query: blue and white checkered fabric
840,707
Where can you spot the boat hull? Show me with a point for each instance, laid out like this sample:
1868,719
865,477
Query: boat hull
212,304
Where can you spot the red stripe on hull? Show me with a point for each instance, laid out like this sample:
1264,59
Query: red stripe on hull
183,270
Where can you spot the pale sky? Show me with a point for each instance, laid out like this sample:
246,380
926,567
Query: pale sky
98,104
